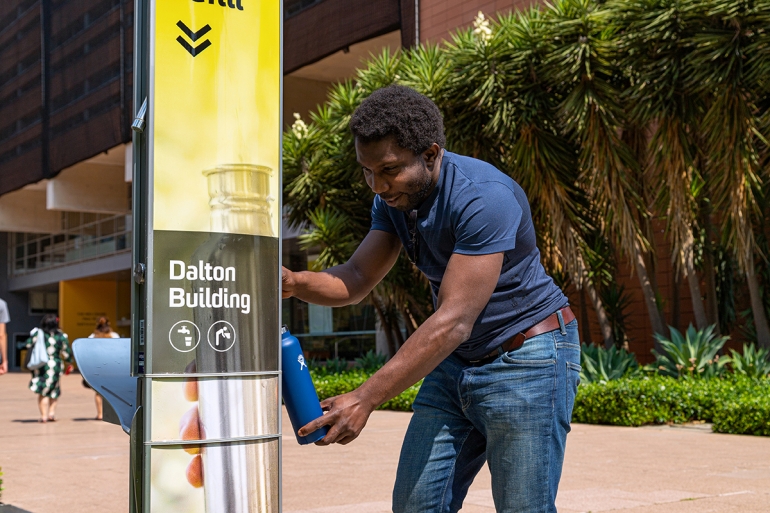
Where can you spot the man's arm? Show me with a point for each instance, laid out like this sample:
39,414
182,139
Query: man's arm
467,285
3,349
350,282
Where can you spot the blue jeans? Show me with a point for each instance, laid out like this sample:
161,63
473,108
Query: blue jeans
513,413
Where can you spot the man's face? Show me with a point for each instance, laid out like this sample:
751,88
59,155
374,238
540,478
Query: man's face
401,178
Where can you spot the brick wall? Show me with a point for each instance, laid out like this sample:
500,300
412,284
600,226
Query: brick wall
639,331
440,17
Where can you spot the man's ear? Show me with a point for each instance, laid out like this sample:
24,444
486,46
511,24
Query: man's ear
430,155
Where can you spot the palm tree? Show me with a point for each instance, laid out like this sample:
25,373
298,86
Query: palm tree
502,111
652,47
728,64
582,66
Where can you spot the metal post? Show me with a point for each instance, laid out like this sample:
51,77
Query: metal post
206,300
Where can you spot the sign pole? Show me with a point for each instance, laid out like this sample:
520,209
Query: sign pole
206,297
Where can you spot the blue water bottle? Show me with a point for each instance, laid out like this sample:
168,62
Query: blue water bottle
299,394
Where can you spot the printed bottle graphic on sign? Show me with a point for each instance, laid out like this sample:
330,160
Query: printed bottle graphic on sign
237,272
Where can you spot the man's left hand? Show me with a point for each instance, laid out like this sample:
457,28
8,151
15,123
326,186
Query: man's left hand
346,415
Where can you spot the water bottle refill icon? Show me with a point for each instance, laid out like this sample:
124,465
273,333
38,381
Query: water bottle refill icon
184,330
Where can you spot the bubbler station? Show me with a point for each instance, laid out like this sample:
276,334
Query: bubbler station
207,350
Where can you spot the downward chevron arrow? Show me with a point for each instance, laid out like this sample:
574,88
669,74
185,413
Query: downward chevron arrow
193,50
193,35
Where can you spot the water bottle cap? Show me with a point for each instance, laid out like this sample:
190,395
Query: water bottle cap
284,329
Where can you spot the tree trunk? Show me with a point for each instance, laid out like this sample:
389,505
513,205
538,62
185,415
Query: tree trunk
601,314
656,318
584,328
709,270
386,325
692,280
676,300
757,308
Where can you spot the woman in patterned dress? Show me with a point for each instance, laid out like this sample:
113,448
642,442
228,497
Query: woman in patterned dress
45,380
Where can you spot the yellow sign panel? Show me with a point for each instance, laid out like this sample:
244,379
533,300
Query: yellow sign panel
215,106
214,149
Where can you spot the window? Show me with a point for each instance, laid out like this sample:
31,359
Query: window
85,236
41,302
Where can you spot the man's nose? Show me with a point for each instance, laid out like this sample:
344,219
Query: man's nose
378,184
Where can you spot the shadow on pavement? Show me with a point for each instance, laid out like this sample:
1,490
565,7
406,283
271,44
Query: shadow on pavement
7,508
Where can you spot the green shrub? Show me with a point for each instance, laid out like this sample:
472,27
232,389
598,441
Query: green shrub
634,402
332,366
744,415
735,403
371,362
662,399
691,355
601,365
330,385
753,362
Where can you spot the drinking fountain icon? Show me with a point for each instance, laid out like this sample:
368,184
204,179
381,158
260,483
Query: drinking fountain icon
223,332
221,336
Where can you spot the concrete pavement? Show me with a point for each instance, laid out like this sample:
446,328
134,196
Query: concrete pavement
78,465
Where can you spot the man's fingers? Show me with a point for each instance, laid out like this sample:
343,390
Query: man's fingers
336,434
326,404
195,471
346,440
287,283
323,420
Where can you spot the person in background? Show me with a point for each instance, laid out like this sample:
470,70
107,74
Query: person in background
102,330
4,319
45,380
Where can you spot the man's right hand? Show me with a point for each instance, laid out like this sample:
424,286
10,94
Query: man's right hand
288,283
4,367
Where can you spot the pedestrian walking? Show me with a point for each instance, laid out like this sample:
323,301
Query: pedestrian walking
45,380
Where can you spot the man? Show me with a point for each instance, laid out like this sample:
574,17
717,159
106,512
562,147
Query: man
500,355
4,319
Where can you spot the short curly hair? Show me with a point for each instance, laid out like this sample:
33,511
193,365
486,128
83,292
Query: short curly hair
400,111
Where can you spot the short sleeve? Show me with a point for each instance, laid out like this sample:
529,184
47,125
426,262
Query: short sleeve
380,218
4,317
488,220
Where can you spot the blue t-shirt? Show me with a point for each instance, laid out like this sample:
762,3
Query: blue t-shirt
476,209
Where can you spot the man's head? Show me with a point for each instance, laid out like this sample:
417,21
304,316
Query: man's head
399,134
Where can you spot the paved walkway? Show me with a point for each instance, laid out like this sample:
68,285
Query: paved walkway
77,465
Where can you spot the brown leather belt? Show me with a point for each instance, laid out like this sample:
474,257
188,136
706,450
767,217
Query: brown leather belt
550,323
